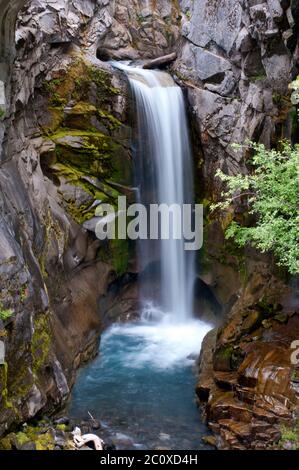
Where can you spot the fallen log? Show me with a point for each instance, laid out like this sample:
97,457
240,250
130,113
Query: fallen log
160,61
81,440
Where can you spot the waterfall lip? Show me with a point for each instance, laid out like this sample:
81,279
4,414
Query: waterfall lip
138,73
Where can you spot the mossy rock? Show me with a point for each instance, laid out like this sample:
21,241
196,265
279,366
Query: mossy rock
41,342
37,437
222,359
119,250
290,437
252,321
5,443
88,151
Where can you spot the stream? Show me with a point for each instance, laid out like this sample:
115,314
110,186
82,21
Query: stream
141,386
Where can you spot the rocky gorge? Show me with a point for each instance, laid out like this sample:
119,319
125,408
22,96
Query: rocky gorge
65,132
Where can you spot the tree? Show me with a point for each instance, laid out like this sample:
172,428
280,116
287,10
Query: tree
272,195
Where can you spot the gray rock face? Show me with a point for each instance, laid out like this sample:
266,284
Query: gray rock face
215,22
237,60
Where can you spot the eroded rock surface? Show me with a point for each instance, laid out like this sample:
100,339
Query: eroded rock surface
246,377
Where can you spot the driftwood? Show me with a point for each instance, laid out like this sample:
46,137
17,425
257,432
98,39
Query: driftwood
81,440
160,61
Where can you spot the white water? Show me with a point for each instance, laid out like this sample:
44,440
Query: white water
164,175
168,332
162,345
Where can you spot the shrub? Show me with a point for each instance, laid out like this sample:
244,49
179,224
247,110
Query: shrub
272,195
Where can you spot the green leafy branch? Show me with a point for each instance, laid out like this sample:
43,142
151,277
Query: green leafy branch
271,193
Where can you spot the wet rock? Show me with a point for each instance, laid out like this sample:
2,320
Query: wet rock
95,424
64,420
210,440
252,321
121,441
205,381
289,445
109,445
60,441
225,380
247,404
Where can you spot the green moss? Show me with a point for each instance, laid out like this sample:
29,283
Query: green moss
257,78
45,442
120,255
113,122
57,101
281,101
61,427
79,214
140,19
23,293
223,357
92,154
51,88
2,113
3,381
43,439
5,443
4,394
21,382
290,435
5,314
91,74
225,352
22,438
103,81
40,342
83,108
89,159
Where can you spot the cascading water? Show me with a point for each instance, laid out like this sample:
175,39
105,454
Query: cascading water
164,176
142,383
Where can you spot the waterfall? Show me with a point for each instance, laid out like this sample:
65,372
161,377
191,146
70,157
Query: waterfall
143,378
163,175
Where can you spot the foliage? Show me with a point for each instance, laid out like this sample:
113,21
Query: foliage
5,314
272,196
295,86
290,436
